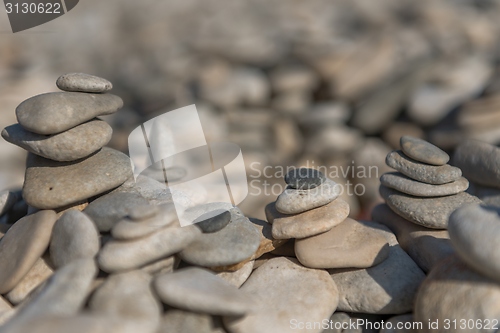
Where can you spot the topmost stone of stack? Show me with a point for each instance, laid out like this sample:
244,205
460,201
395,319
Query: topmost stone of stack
80,82
423,151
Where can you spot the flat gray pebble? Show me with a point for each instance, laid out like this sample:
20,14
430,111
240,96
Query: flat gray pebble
80,82
429,212
425,173
73,144
74,236
423,151
49,184
401,183
57,112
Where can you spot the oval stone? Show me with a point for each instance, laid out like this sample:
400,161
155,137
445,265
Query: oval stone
425,173
54,113
351,244
474,232
429,212
74,237
80,82
238,241
401,183
71,145
309,223
293,201
199,290
22,246
116,256
423,151
49,184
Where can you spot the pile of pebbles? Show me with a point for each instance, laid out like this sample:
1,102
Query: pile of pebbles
425,190
88,248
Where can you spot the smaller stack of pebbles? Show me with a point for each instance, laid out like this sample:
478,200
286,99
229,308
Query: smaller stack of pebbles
360,256
425,190
67,163
310,211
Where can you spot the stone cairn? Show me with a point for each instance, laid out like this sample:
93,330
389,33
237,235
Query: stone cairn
425,190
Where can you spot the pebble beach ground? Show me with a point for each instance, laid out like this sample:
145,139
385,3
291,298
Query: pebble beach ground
391,108
85,247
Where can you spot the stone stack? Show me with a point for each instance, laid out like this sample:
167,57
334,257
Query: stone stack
425,190
355,253
67,163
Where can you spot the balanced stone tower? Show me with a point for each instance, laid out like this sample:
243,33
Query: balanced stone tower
67,162
425,190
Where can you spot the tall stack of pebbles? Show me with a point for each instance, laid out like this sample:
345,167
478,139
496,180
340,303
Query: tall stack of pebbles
67,162
425,190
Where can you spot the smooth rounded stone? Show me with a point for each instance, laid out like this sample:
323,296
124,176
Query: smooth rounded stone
267,242
199,290
238,241
479,161
212,217
286,292
388,288
428,212
129,229
74,236
57,112
64,294
128,296
425,246
404,321
451,291
71,145
117,255
108,209
22,246
425,173
238,277
423,151
141,213
351,244
40,272
474,232
293,201
309,223
293,78
80,82
304,178
180,321
401,183
7,200
161,266
49,184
